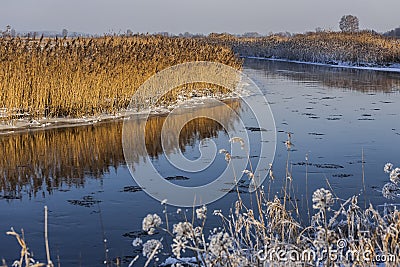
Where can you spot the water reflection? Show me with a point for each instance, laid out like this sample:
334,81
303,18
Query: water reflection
48,159
196,129
349,79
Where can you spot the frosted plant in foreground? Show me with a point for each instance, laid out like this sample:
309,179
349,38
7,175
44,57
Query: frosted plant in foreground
217,213
249,174
271,172
178,246
151,248
388,167
288,142
237,140
201,213
320,239
395,176
244,233
220,244
322,199
390,191
150,222
183,230
227,155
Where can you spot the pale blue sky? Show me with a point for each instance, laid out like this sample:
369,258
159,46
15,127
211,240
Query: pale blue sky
205,16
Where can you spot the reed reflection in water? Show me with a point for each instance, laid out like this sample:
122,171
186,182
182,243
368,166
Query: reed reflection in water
48,159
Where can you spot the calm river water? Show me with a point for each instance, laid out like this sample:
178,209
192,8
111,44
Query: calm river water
336,116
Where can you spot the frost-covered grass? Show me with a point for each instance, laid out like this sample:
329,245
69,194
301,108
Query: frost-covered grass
26,259
272,235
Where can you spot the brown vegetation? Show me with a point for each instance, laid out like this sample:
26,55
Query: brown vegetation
87,76
360,48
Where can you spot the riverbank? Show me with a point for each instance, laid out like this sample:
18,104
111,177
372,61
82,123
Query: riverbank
361,49
24,124
344,65
70,82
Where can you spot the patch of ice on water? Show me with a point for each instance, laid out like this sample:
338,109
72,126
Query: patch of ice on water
188,261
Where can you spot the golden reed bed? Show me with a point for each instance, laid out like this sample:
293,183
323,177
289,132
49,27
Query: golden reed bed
89,76
362,48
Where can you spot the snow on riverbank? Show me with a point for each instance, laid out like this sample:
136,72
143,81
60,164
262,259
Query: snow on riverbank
347,65
26,123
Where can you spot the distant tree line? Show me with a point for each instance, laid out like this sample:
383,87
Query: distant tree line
393,33
8,32
347,23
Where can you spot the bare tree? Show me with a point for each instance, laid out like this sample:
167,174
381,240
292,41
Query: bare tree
129,32
251,34
64,33
349,23
7,32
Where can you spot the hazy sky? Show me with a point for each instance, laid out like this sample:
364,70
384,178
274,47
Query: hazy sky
205,16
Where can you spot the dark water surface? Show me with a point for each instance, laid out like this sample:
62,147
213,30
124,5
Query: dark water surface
335,115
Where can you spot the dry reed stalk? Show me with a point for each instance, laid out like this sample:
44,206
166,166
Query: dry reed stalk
46,238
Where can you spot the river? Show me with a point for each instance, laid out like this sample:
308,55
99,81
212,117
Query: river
344,125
